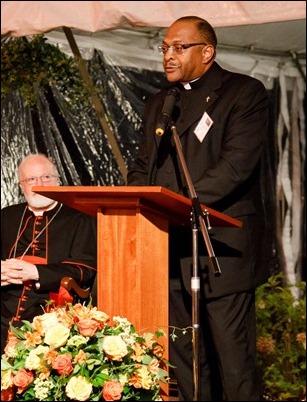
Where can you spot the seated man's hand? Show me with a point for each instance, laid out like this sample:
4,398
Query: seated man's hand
15,271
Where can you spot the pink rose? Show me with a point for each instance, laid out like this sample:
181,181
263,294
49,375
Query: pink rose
22,380
88,327
62,364
112,391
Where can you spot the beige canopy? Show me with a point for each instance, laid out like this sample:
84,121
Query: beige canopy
20,18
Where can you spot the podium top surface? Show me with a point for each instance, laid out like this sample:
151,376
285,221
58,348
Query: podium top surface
90,199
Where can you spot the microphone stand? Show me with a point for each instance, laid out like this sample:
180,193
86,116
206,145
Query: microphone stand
198,221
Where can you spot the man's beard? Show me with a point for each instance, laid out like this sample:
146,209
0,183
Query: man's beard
39,201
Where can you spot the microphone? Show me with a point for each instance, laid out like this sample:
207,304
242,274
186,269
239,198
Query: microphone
169,103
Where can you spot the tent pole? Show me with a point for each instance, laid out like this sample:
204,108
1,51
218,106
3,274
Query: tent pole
96,102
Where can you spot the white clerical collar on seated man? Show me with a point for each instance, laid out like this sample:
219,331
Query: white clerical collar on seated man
40,213
186,85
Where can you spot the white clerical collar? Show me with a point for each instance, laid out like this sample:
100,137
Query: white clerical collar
186,85
40,213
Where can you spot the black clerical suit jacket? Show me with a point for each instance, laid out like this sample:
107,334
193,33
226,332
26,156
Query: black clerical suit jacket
229,113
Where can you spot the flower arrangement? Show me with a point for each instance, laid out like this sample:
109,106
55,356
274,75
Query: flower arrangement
73,352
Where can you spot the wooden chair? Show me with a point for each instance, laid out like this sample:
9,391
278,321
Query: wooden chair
73,288
70,291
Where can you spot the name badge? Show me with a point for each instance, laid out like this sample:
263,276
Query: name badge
203,127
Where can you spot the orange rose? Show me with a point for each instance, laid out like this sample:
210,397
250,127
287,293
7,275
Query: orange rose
88,327
62,364
112,391
22,379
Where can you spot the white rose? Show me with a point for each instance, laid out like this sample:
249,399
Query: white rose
78,389
114,347
33,361
57,335
6,379
42,322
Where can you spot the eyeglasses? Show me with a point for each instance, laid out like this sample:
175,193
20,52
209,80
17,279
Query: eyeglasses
178,48
47,178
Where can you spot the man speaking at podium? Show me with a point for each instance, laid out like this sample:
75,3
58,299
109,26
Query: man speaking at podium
222,120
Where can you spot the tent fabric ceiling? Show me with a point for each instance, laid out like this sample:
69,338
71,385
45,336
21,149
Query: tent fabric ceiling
131,32
279,39
22,18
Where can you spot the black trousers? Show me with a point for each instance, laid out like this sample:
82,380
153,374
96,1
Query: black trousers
227,352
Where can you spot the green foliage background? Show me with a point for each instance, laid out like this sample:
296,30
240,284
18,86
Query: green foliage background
30,63
281,339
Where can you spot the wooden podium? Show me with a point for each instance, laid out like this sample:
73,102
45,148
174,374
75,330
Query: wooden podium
133,222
